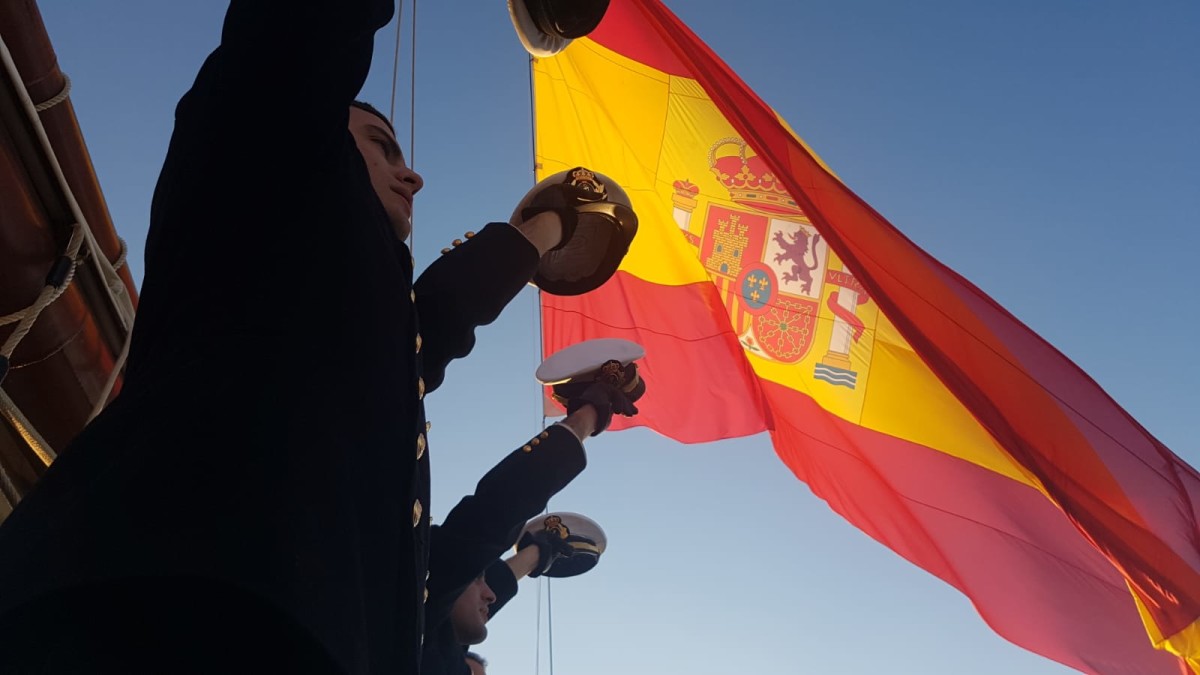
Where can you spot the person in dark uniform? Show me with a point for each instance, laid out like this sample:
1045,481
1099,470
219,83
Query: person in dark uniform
256,499
468,583
488,594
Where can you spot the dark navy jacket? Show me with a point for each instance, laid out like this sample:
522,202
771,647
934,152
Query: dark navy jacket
270,433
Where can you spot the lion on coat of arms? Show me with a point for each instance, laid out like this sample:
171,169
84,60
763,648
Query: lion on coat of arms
794,251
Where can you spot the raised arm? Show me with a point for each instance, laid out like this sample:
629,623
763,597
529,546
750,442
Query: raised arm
305,59
486,524
262,179
467,287
502,578
473,281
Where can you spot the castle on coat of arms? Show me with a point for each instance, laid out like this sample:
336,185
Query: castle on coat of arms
771,266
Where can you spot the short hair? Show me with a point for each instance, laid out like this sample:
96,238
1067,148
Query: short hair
477,659
363,105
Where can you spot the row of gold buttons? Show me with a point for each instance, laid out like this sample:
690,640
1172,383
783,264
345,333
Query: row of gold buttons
528,447
458,242
418,509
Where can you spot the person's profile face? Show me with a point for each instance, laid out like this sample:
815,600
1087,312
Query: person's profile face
470,613
394,182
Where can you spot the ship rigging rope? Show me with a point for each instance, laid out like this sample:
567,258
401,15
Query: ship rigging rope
57,282
57,98
63,270
61,273
117,369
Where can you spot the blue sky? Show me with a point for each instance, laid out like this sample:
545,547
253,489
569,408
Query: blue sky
1045,150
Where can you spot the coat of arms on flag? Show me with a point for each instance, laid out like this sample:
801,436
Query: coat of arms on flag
778,279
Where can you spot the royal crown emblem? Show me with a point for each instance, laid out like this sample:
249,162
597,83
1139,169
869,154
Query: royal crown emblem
585,179
749,181
557,526
685,194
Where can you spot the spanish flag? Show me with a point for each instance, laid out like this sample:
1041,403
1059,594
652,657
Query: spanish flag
770,297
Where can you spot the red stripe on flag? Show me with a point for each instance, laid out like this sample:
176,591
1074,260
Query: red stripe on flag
1002,543
624,30
1130,453
699,386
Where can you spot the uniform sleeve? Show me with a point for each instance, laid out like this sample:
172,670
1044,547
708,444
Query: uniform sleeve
485,524
467,288
284,66
263,125
503,582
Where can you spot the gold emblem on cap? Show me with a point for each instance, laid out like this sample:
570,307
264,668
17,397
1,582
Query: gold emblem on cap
585,179
555,524
612,371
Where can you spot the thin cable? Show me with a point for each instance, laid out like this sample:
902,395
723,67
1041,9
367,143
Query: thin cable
412,91
540,347
541,392
533,120
537,307
550,626
537,650
412,122
396,62
541,351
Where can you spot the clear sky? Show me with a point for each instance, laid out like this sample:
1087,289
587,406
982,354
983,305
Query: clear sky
1047,150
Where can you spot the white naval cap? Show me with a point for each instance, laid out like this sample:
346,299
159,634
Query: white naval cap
585,536
585,359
